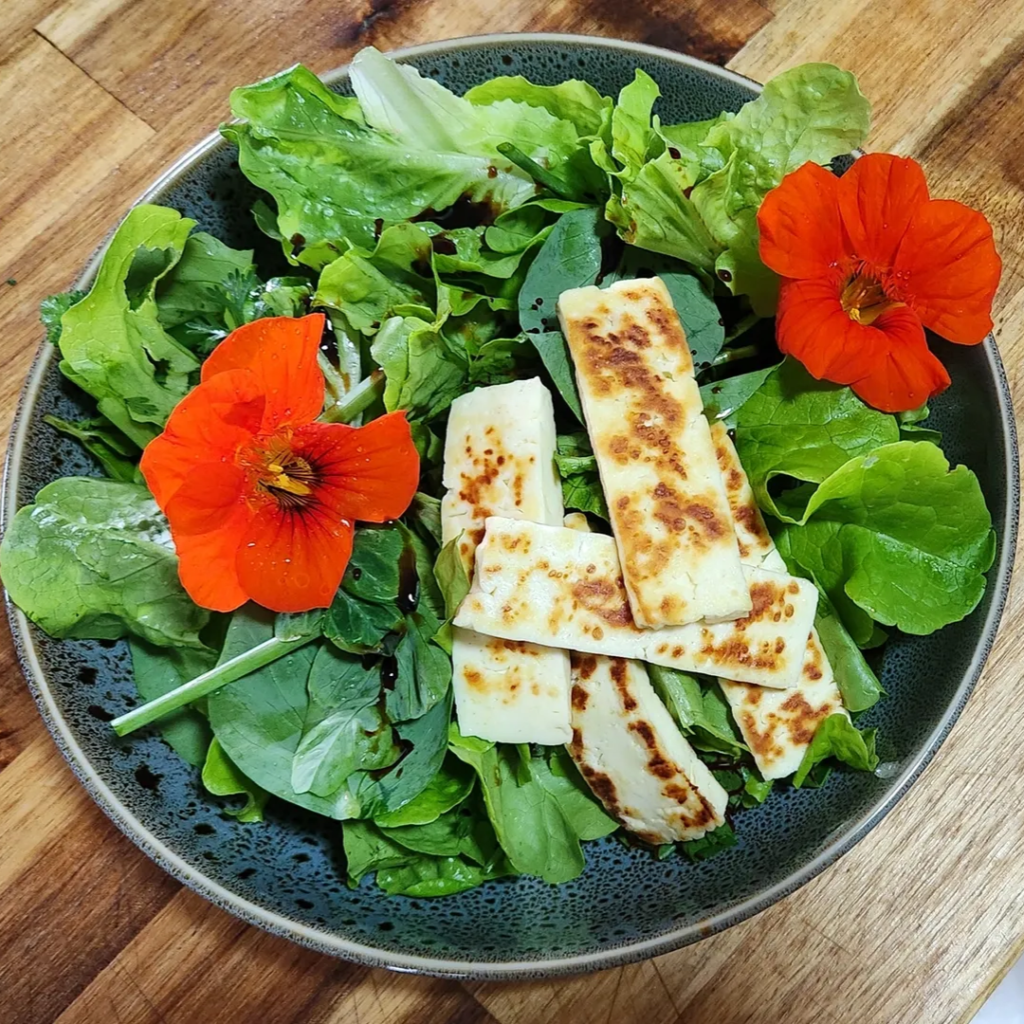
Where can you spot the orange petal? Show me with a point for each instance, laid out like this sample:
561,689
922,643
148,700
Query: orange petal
877,197
293,561
948,270
282,352
801,231
207,426
368,473
908,374
208,516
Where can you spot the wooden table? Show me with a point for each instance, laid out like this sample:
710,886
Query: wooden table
917,924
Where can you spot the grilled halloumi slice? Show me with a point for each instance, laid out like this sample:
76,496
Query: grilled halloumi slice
665,494
777,725
499,460
552,585
633,756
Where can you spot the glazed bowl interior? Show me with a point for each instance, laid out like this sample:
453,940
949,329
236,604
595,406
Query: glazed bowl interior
287,875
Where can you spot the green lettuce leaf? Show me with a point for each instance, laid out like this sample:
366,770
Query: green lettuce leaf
813,112
795,426
112,343
221,777
112,450
333,176
52,310
897,535
574,101
837,737
93,558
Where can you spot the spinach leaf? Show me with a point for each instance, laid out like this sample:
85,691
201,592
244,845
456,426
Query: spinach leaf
259,719
558,774
415,772
899,536
452,578
344,730
112,343
795,426
837,737
723,398
93,558
569,258
221,777
424,670
158,670
457,833
368,849
427,877
447,789
581,484
426,511
721,838
701,712
117,455
857,683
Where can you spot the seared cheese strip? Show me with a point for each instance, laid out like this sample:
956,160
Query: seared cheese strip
552,585
665,494
633,756
499,460
777,725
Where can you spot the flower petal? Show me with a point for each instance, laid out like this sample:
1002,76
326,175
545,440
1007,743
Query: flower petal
368,473
282,352
948,270
887,363
878,196
207,426
293,561
208,515
801,231
908,374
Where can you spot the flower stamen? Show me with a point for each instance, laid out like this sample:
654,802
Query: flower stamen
864,298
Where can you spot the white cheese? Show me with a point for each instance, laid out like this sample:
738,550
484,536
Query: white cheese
777,725
666,498
499,460
552,585
633,756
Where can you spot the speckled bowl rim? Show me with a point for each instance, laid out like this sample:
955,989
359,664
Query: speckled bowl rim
324,942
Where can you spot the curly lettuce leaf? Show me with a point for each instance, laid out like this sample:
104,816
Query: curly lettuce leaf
334,177
221,777
94,558
574,101
112,343
896,537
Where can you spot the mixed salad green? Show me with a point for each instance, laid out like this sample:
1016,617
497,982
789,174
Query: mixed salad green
437,232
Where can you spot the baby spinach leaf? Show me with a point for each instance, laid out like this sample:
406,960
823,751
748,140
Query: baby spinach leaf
259,719
452,578
93,558
581,484
558,774
426,877
724,398
837,737
569,258
158,670
112,343
424,670
414,773
857,683
344,730
117,455
899,535
721,838
456,833
701,712
795,426
447,789
368,849
221,777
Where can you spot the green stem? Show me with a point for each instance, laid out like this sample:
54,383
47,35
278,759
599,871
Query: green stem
742,326
541,175
361,397
249,661
732,355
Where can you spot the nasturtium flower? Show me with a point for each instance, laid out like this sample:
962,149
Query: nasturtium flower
868,261
261,499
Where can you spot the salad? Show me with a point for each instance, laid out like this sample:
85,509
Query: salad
552,486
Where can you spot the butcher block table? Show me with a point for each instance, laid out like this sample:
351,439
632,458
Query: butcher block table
917,924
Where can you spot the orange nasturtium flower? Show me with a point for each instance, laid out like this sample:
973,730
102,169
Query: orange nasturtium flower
261,498
868,261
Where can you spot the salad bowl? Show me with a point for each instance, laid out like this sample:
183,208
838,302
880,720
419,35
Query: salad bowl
286,875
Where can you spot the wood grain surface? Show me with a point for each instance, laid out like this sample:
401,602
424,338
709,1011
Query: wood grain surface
916,925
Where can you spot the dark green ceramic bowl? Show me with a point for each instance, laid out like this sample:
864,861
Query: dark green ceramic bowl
287,875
